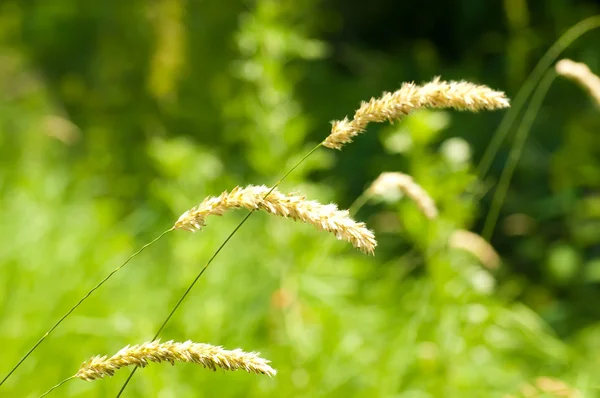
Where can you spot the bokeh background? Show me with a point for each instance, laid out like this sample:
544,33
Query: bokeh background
117,116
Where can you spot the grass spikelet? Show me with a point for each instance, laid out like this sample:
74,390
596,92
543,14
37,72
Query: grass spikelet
410,97
547,387
323,217
581,74
391,181
477,246
207,355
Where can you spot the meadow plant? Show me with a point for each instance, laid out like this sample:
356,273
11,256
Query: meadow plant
410,97
433,329
547,387
477,246
389,107
581,74
209,356
391,181
297,207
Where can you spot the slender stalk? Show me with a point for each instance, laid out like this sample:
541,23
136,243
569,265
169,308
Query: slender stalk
359,203
56,386
515,153
79,303
528,87
191,286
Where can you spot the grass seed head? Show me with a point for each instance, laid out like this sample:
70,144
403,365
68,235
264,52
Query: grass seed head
207,355
582,75
324,217
410,97
390,181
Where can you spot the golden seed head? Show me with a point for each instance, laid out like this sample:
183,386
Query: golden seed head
477,246
547,386
582,75
391,181
297,207
207,355
410,97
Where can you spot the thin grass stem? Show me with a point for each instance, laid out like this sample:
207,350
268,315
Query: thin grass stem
88,294
529,86
56,386
359,203
191,286
515,153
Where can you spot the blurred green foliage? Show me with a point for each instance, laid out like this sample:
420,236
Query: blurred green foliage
117,116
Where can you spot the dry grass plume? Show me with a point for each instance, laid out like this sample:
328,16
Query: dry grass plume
390,181
582,75
323,217
477,246
207,355
547,387
411,97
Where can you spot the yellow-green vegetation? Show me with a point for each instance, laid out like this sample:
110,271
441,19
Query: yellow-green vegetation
117,117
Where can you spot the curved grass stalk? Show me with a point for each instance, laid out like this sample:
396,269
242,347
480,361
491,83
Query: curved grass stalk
191,286
515,153
410,97
88,294
140,355
460,95
294,206
207,355
56,386
528,87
